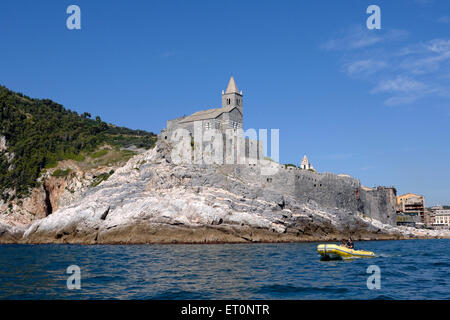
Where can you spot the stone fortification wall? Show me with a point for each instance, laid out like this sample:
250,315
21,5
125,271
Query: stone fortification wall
328,190
379,204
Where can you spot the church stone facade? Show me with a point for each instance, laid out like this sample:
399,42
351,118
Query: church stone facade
226,121
229,116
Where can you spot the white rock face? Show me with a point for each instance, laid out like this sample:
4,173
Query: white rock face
152,200
139,193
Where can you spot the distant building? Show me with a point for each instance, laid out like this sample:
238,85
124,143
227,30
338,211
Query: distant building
306,165
441,217
411,210
411,204
408,220
428,217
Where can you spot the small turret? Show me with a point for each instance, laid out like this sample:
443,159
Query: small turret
305,165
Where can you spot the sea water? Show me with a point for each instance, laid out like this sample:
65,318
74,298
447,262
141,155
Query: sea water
409,269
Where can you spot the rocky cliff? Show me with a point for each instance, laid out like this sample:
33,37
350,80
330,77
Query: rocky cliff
53,193
152,200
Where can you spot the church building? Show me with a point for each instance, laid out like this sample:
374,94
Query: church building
229,116
306,165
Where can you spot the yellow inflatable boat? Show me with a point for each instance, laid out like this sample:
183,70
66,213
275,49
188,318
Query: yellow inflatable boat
333,251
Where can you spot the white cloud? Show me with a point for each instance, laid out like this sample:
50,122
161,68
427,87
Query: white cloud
408,93
359,37
364,67
399,84
444,19
428,57
425,65
400,100
441,46
404,74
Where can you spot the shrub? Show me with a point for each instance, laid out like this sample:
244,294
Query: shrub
61,173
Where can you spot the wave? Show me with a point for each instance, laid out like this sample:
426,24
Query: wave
441,264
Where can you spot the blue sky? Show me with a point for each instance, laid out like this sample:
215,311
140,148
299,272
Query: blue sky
374,104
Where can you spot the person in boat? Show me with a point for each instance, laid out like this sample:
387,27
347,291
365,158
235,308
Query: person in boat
350,244
343,243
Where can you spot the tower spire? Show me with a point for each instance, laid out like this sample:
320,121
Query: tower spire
232,97
232,88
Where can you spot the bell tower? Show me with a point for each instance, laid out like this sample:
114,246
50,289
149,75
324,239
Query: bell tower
232,97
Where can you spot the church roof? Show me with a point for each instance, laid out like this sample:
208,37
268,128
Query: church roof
232,88
207,114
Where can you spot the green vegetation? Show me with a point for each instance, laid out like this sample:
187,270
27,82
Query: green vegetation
61,173
106,157
102,177
99,153
289,165
41,132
